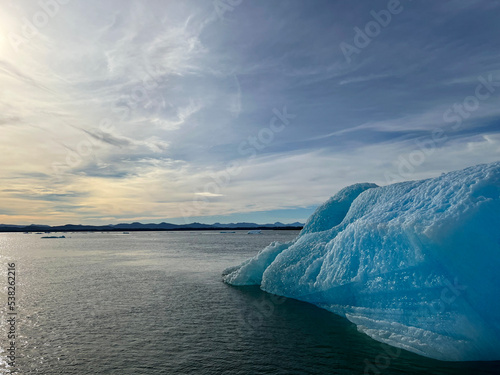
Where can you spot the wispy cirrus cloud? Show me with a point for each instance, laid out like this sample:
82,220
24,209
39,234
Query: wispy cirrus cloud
126,110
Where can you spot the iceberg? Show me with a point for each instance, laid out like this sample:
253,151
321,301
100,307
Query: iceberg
415,265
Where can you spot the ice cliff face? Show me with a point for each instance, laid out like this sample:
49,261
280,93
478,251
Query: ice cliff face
415,265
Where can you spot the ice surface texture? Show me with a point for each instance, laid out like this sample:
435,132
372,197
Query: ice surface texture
415,265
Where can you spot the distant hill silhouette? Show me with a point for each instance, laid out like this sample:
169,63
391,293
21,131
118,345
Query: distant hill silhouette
136,226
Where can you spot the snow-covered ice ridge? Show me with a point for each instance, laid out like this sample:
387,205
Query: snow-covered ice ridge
415,264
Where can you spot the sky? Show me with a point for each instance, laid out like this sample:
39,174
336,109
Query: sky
236,110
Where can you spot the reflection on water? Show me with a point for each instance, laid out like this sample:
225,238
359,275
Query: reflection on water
154,303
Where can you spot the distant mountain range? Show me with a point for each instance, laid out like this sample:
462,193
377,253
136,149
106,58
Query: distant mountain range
144,227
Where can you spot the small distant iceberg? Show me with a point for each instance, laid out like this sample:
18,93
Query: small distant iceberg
413,264
255,231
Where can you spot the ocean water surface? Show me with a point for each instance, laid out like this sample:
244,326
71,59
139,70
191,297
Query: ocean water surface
154,303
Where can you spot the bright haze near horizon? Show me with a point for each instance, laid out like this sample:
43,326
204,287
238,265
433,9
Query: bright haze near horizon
236,110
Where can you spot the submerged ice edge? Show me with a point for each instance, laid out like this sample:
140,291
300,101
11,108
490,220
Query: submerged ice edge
412,264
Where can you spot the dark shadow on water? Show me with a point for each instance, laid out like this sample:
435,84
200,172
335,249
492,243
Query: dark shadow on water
298,337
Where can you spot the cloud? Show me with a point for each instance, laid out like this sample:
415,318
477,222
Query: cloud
11,71
13,120
113,140
208,194
127,109
362,79
183,114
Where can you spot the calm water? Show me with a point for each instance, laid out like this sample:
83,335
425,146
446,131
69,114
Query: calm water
154,303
